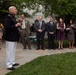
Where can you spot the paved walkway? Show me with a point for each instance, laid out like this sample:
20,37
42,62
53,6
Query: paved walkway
24,56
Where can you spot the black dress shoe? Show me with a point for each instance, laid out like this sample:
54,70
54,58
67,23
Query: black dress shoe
29,48
12,68
37,48
53,48
16,64
42,48
49,48
24,48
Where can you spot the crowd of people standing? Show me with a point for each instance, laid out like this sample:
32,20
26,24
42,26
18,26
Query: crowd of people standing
20,30
56,31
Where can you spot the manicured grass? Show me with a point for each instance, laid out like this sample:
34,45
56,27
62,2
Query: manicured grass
59,64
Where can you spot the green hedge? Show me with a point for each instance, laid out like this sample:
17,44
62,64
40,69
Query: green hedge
65,43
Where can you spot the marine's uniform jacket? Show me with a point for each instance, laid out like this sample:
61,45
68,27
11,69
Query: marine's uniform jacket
11,31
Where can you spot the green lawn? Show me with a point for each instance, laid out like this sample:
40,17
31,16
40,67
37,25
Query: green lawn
60,64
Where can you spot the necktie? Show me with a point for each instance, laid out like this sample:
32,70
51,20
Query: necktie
40,24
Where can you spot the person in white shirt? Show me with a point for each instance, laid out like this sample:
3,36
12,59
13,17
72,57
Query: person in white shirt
24,32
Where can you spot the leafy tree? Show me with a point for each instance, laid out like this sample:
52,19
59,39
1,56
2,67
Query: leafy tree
63,8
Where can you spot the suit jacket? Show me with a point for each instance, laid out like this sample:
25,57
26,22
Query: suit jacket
51,27
11,32
37,26
27,25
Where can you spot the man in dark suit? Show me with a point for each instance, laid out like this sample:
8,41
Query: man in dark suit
11,37
40,32
51,28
